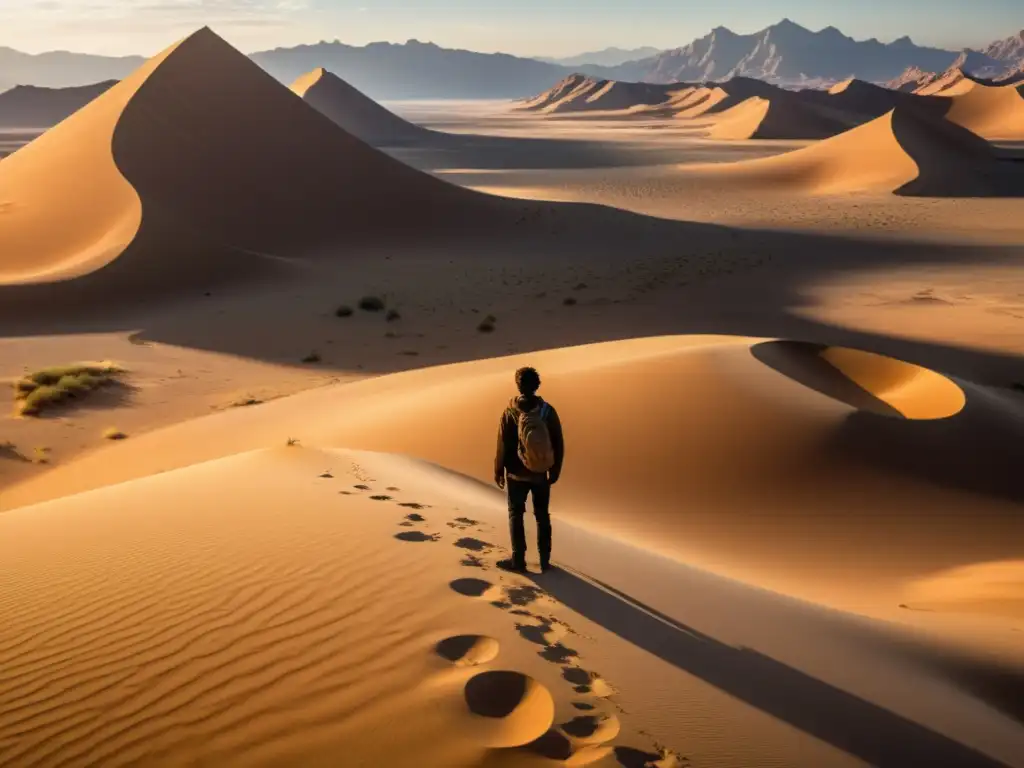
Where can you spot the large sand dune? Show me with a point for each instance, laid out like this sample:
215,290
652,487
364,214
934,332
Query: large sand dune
285,594
584,94
776,118
356,112
29,106
187,170
905,151
796,422
995,112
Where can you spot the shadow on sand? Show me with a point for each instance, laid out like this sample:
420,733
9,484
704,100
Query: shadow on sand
859,728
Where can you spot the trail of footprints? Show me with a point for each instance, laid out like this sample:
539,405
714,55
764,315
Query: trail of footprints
516,711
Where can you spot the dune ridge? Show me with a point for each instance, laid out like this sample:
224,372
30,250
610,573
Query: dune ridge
775,118
904,151
189,190
889,444
356,112
995,112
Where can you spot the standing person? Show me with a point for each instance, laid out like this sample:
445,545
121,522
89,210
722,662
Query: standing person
528,462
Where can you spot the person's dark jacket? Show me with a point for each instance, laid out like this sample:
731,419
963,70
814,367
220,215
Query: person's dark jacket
507,458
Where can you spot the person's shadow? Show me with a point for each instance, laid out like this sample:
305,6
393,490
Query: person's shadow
861,729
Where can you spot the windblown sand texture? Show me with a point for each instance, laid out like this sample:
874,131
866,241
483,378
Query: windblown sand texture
788,532
355,112
265,585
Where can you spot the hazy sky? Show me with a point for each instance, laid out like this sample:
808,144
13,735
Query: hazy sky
526,27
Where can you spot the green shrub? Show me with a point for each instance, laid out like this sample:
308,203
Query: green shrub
48,387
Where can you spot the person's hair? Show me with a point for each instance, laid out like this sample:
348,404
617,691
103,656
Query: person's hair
528,381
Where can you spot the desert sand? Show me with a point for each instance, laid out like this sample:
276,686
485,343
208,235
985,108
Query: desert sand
789,528
355,112
995,112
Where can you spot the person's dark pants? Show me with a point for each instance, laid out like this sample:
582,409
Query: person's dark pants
518,491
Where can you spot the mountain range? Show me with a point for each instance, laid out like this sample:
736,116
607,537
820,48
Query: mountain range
784,54
609,57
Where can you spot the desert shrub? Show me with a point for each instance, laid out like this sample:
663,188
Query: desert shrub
371,304
37,391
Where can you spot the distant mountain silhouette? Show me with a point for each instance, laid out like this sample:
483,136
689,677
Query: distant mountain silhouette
784,54
416,70
788,54
62,69
609,57
32,106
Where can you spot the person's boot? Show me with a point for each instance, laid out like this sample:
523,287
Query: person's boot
512,564
545,565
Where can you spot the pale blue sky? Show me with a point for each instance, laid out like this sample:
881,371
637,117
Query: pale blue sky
525,27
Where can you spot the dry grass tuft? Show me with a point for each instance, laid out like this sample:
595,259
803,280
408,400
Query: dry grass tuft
43,389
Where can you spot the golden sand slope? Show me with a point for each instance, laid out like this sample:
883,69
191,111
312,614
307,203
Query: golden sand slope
995,112
903,151
30,106
354,111
290,605
173,175
777,462
775,118
579,93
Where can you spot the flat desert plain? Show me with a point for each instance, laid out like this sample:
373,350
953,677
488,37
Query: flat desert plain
789,530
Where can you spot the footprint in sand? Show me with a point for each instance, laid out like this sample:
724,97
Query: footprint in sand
414,505
473,587
380,498
463,523
416,518
555,745
472,561
474,545
588,682
509,709
362,487
592,729
392,488
327,476
628,757
520,596
345,493
559,654
468,650
417,537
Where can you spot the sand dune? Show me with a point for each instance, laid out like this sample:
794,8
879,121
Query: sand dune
798,423
286,595
355,112
186,182
904,152
29,106
287,605
776,118
992,111
578,93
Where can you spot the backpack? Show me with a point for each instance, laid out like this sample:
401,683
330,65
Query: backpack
535,448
